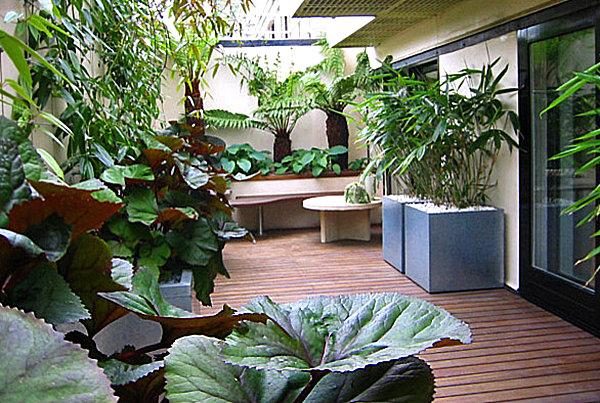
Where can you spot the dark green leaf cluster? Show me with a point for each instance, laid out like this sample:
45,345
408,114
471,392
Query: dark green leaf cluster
324,349
176,216
356,193
441,140
242,161
315,161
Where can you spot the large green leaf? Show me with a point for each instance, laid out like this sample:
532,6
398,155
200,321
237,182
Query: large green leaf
13,185
196,372
146,301
32,164
225,227
53,235
45,293
87,267
37,365
101,191
121,373
136,173
195,243
342,333
142,206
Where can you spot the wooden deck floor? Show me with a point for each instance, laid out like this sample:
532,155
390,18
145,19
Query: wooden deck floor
519,351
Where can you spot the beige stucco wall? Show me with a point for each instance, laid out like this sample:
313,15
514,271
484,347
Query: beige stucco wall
464,19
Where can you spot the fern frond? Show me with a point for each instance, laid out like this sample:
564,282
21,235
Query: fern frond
222,119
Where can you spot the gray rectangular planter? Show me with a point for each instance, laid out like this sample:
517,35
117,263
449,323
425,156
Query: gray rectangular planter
454,250
393,230
132,330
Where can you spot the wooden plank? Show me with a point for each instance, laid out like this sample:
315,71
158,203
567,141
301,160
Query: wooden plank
519,352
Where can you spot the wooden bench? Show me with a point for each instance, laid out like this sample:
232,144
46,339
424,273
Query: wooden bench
260,201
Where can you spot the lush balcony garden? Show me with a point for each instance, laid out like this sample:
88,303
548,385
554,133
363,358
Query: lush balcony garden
105,203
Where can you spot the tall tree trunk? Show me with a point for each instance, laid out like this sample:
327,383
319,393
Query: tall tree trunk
194,110
337,135
282,147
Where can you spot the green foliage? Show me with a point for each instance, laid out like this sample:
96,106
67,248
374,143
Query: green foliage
33,356
315,161
356,193
111,99
242,161
281,102
176,215
585,145
358,164
352,344
440,144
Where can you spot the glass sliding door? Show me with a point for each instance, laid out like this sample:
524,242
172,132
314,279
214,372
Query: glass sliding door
552,242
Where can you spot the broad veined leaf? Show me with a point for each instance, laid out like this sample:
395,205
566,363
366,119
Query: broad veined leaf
53,235
78,207
154,255
176,214
100,191
45,293
13,185
342,333
142,206
195,372
194,177
225,227
32,164
87,267
121,373
38,365
195,243
146,301
122,272
135,173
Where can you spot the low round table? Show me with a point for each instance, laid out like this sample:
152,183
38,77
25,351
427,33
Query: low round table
341,220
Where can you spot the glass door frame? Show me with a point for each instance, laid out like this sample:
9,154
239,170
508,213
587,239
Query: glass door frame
567,299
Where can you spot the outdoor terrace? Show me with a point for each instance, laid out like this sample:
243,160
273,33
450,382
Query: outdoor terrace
519,352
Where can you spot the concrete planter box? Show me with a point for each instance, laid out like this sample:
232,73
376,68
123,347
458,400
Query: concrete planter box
393,229
131,330
455,250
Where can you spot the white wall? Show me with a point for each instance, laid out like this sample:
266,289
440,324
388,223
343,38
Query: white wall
460,21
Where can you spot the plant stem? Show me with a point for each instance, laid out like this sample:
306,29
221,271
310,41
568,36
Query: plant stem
315,377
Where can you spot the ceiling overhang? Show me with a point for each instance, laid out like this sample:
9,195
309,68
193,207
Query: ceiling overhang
390,16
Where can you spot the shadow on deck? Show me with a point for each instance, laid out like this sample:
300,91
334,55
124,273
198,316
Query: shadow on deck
519,352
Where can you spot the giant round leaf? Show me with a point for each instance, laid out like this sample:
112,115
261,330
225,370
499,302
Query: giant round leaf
197,373
341,333
37,365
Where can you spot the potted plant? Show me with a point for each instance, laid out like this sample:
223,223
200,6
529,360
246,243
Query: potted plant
451,142
332,91
280,103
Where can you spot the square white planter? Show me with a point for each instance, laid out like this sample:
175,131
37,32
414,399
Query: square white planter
393,229
454,250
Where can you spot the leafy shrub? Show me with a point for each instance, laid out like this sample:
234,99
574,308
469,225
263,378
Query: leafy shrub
242,161
315,161
440,144
358,164
356,193
176,216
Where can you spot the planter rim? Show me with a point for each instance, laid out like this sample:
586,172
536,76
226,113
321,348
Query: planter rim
422,207
274,177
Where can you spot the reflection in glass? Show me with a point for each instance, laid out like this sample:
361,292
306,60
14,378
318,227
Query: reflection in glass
557,243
